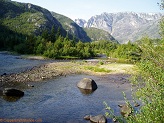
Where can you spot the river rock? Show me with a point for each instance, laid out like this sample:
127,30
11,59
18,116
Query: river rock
96,119
30,85
88,84
125,110
4,74
12,92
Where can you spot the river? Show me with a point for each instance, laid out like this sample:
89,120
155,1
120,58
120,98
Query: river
59,100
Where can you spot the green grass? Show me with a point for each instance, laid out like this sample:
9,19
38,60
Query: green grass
97,69
68,57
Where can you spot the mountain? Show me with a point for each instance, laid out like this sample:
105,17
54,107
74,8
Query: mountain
81,22
99,34
85,34
26,18
71,27
125,26
29,19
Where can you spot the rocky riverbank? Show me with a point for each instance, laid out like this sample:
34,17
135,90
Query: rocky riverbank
56,69
111,78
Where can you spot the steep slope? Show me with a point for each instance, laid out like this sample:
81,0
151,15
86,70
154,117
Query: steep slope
125,26
71,27
29,19
98,34
85,34
26,18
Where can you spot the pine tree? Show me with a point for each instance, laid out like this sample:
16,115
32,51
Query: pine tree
52,34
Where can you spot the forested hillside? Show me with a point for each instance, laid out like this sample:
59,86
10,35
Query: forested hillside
30,29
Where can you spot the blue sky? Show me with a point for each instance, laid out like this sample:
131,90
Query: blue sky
84,9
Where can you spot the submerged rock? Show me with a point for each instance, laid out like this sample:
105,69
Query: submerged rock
12,92
30,85
4,74
96,119
87,84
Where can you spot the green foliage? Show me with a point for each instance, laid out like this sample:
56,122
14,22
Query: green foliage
161,4
72,28
125,114
26,23
98,34
130,52
104,47
162,28
9,39
151,85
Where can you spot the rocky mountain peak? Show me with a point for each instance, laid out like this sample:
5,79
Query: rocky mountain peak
81,22
125,26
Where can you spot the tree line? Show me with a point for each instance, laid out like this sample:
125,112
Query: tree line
51,44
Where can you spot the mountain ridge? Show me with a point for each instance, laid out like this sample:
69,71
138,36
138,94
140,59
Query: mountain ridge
122,25
29,19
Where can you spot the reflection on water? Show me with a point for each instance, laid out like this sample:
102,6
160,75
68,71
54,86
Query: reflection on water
60,101
11,98
86,91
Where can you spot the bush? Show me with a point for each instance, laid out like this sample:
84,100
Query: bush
151,88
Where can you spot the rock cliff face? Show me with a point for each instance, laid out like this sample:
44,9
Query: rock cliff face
125,26
81,22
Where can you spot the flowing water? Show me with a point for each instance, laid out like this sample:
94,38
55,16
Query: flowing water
60,101
15,64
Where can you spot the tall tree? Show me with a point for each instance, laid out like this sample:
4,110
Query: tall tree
52,34
45,34
58,33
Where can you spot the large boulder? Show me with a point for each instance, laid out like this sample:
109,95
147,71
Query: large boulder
12,92
87,84
96,119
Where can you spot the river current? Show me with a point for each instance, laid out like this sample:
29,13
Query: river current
59,100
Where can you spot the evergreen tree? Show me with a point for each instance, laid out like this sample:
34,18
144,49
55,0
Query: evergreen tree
58,33
52,34
45,34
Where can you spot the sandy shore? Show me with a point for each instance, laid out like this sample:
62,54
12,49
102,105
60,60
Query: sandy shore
56,69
